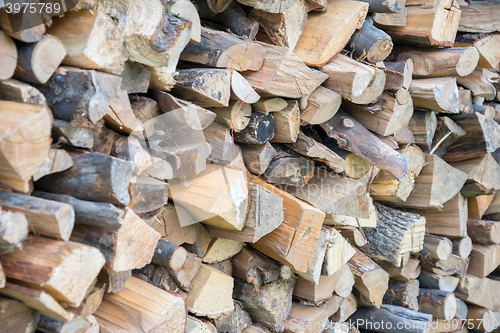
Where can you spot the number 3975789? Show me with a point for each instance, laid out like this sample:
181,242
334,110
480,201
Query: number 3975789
32,8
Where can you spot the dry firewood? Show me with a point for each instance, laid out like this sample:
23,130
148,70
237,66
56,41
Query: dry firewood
428,26
72,135
254,268
257,157
113,176
120,116
431,280
169,255
450,220
393,19
283,74
235,321
187,10
125,310
362,207
265,214
462,247
315,268
158,276
267,6
195,325
8,57
63,279
489,56
479,17
487,110
348,306
224,50
370,43
464,100
259,130
484,259
115,281
378,6
235,117
288,168
480,82
354,81
480,291
162,78
483,136
395,315
145,108
402,294
25,142
13,231
447,133
266,105
385,187
185,275
398,74
294,241
38,61
18,91
408,271
235,19
48,218
484,232
268,307
121,248
147,194
21,26
343,281
86,324
423,125
438,94
305,316
17,316
370,279
445,181
221,249
287,124
326,33
451,266
483,172
404,136
135,78
241,89
387,115
353,235
320,105
437,247
317,5
440,304
354,137
337,254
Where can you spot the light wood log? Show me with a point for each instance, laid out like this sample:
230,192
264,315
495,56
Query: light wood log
410,270
72,135
464,100
440,304
394,19
306,319
423,126
353,235
438,94
484,232
267,6
480,291
162,77
23,27
115,281
195,325
8,56
479,17
337,254
18,91
125,311
14,230
326,33
484,259
481,82
481,319
260,129
221,249
241,89
392,6
362,207
236,20
287,124
235,116
321,105
447,133
257,157
254,268
288,168
403,294
205,87
398,74
462,247
451,220
487,46
120,116
437,247
431,280
187,10
235,321
201,243
482,171
370,43
17,316
266,105
344,281
315,268
169,255
451,266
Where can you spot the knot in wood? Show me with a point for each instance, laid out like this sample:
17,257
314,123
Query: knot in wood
342,142
346,122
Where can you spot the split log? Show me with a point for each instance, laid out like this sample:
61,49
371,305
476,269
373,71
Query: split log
343,281
354,81
326,33
403,294
61,278
236,20
489,56
260,129
187,10
135,78
147,194
201,243
306,319
185,275
254,268
195,325
38,61
484,259
410,270
257,157
287,124
451,266
235,321
125,310
265,214
283,74
162,77
353,235
370,43
482,319
362,207
396,233
210,293
444,283
204,86
270,7
354,137
85,324
266,105
72,135
371,280
464,100
377,6
47,218
483,172
338,253
221,249
14,230
241,89
168,223
450,220
437,247
120,116
483,136
386,116
18,91
8,57
113,176
224,50
22,27
438,94
398,74
434,26
440,304
17,316
315,269
447,133
158,276
480,291
115,281
288,168
321,105
293,242
462,247
479,17
120,246
394,19
169,255
484,232
480,82
423,125
404,136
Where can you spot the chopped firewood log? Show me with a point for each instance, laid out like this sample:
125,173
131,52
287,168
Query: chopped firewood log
201,243
210,293
38,61
462,247
135,78
385,187
483,136
321,105
447,133
260,129
437,247
257,157
221,249
338,252
480,291
437,183
410,270
305,319
283,74
394,19
386,116
162,78
8,57
481,319
398,74
158,276
480,82
236,20
353,80
434,26
423,125
288,168
286,27
362,206
18,91
187,10
403,294
438,94
287,124
450,220
169,255
254,268
392,316
431,280
396,233
48,218
370,279
120,116
350,134
326,33
57,161
479,17
404,136
266,105
145,108
489,56
482,171
348,306
64,280
267,6
195,325
484,232
21,27
38,300
265,214
451,266
235,321
185,275
125,310
86,324
121,252
391,6
17,316
370,43
440,304
84,32
113,176
114,281
315,268
147,194
241,89
486,110
294,241
484,259
343,281
73,135
464,100
13,231
224,50
353,235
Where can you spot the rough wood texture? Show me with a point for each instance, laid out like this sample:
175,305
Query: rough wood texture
288,168
254,268
483,171
257,157
447,133
8,56
370,43
17,91
438,303
305,316
18,317
437,247
337,254
479,17
204,86
221,249
260,129
431,280
481,83
484,259
402,294
480,291
438,94
319,106
14,230
423,126
410,270
484,232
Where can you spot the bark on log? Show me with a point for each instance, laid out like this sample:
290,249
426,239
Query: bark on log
440,304
403,294
370,43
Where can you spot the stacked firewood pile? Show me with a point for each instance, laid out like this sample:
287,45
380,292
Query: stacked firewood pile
251,166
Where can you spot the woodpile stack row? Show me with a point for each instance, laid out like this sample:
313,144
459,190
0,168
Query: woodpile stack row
251,166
